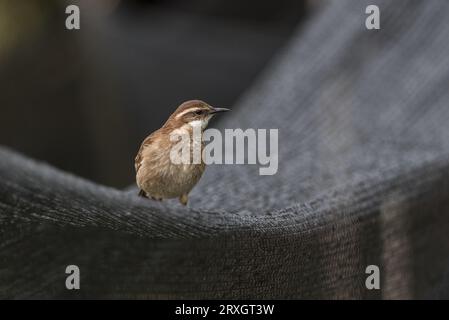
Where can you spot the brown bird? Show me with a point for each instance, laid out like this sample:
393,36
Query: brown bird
157,176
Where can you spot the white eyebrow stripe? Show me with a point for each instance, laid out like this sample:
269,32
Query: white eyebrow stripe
187,111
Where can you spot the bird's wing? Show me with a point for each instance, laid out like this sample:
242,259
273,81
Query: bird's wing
138,160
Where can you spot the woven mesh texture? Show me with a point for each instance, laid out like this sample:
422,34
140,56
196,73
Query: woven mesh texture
363,179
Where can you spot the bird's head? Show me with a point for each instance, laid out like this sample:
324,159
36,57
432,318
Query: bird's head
194,112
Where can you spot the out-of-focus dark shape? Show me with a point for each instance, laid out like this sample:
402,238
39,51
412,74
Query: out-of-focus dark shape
83,100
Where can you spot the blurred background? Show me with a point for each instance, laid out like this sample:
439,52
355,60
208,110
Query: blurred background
83,100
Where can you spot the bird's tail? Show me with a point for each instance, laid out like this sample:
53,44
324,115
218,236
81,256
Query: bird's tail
142,194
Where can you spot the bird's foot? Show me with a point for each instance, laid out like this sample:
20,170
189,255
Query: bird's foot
183,199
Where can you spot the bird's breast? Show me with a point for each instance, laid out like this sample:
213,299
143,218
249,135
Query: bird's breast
160,176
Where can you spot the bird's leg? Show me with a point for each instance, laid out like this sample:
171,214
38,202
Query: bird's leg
156,199
183,199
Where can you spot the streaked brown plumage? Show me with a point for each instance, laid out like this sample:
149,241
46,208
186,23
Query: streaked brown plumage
156,175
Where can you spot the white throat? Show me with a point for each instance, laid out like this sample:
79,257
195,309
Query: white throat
200,123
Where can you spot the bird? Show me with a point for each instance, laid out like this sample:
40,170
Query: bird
157,176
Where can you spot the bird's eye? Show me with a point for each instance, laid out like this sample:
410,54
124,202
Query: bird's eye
199,112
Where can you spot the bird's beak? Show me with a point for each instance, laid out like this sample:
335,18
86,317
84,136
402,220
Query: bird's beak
217,110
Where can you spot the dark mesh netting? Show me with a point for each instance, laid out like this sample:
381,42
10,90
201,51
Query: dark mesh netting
363,178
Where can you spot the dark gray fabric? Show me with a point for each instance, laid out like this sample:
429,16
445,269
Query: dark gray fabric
363,179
